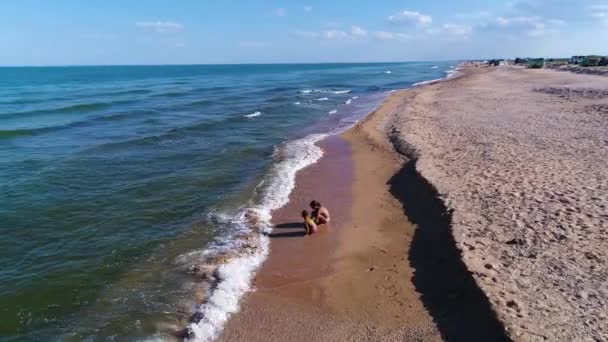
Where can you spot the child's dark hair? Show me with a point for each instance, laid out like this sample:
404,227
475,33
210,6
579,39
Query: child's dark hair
315,204
304,213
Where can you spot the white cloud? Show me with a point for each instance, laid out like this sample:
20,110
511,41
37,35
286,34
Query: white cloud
458,29
600,12
308,9
280,12
160,26
252,44
532,26
410,17
358,31
355,33
335,34
385,35
599,7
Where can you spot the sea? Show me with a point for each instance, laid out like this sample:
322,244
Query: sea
135,200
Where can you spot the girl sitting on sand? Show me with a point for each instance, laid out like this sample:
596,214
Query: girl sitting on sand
320,214
309,224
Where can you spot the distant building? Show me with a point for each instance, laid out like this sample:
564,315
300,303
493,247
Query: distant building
576,59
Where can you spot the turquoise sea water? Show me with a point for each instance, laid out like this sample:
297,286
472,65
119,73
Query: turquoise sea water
112,178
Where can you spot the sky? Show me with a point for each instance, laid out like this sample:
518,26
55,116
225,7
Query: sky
95,32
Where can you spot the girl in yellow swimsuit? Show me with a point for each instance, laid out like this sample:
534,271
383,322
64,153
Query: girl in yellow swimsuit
309,224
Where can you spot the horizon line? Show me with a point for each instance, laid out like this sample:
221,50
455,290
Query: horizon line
210,64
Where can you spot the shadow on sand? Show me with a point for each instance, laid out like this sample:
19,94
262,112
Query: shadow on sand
296,230
290,225
460,309
287,234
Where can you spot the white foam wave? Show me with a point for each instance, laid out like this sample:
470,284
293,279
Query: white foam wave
322,99
297,103
325,91
348,101
427,82
449,74
434,67
452,72
334,111
234,278
355,97
387,72
252,115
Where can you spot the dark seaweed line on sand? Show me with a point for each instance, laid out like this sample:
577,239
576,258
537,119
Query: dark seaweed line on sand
448,290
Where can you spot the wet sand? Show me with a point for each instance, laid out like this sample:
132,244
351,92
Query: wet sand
351,281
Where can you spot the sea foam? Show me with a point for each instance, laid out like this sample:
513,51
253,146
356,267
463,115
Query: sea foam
427,82
325,91
233,279
252,115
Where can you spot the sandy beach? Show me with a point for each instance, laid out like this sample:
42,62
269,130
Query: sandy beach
519,159
468,209
351,280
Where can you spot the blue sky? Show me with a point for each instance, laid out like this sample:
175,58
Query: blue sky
70,32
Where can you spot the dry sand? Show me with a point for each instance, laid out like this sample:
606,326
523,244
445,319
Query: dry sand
520,160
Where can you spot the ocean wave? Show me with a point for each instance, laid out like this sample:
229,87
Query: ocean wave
434,67
427,82
333,111
125,92
388,72
233,276
253,115
325,91
6,134
198,103
323,99
80,107
296,103
348,101
452,72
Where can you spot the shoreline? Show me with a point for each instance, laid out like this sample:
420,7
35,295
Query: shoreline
262,219
377,275
364,290
468,270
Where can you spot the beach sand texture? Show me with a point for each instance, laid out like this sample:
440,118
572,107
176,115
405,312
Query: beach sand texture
520,159
351,281
372,275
